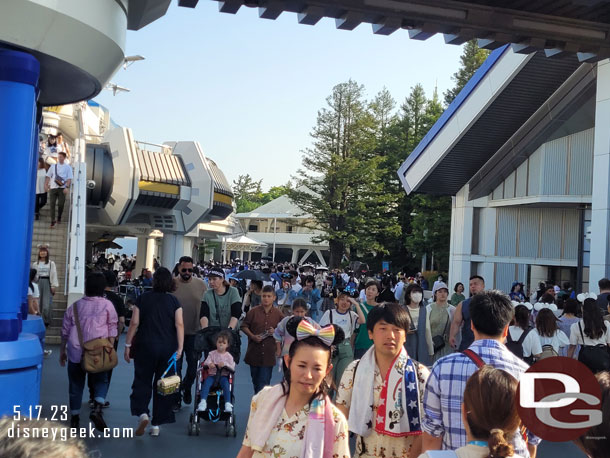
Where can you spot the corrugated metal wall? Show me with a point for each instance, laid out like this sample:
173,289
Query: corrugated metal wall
581,163
505,276
560,167
550,233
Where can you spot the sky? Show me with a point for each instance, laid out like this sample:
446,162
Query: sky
249,89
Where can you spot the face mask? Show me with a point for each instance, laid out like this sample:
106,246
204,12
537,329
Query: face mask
416,298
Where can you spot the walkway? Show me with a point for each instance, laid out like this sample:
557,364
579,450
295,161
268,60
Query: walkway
174,440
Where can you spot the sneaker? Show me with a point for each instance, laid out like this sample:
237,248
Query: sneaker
47,353
187,397
91,403
97,418
53,223
154,431
228,407
106,405
142,424
203,405
59,220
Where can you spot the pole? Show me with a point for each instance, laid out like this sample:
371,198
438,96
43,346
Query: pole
274,232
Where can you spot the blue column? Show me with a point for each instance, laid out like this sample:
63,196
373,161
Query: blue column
20,355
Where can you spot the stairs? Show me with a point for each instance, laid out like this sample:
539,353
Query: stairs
57,240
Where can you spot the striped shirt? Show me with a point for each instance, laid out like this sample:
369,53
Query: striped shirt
445,393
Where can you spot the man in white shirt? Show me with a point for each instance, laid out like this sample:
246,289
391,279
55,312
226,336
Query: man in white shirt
57,184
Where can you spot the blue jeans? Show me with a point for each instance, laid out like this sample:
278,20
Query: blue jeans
261,376
224,384
76,385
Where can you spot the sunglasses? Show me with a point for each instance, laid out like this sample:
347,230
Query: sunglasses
186,270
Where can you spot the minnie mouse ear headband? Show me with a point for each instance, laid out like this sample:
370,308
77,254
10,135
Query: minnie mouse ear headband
539,306
301,329
526,304
582,296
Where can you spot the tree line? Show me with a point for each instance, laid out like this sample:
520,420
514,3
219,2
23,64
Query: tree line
348,181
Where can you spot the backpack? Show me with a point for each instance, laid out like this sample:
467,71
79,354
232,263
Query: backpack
547,352
516,346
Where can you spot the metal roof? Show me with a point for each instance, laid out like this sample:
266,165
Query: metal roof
162,168
558,27
523,95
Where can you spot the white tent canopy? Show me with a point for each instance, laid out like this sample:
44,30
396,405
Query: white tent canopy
243,243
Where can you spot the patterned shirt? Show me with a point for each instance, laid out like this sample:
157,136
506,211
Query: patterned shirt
445,393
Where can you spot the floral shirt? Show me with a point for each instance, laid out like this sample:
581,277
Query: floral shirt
379,445
286,438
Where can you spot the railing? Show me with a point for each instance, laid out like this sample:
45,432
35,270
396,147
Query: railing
162,148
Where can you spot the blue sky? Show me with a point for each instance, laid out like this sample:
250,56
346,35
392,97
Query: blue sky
249,89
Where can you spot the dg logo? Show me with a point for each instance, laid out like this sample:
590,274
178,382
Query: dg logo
559,399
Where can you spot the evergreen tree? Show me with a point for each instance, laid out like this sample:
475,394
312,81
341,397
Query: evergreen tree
339,183
471,59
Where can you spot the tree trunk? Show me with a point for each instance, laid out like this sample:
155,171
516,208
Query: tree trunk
337,249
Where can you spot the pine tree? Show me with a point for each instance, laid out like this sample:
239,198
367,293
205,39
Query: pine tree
471,59
339,184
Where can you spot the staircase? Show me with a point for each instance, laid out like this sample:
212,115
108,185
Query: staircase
56,238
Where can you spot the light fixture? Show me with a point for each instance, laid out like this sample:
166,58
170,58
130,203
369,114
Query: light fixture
128,60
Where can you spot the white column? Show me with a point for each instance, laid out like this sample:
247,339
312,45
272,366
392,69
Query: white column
460,245
600,213
150,252
295,253
141,254
172,249
187,247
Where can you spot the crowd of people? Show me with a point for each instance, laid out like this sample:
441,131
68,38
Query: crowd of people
341,338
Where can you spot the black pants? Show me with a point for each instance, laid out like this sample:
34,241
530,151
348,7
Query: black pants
41,201
192,360
149,366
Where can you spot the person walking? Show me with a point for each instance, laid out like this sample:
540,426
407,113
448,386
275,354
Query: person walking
441,315
158,329
97,319
221,305
570,315
592,333
461,317
520,339
490,313
296,417
381,394
189,291
57,184
363,341
47,282
259,325
41,193
551,338
419,343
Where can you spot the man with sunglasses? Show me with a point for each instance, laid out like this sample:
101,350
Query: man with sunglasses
189,292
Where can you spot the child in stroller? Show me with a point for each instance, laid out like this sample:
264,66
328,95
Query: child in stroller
220,365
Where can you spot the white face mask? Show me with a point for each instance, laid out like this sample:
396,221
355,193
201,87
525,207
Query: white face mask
416,298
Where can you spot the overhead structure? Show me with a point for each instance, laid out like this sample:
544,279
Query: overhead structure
559,27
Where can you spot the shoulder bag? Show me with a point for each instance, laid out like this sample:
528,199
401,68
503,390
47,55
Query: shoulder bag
169,385
59,181
99,354
439,341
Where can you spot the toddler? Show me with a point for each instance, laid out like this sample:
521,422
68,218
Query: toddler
216,361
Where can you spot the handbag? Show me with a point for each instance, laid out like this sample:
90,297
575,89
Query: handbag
439,341
99,354
169,385
595,357
59,181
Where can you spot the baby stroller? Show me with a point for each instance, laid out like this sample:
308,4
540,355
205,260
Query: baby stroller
204,342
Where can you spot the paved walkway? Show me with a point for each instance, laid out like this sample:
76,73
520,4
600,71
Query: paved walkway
174,440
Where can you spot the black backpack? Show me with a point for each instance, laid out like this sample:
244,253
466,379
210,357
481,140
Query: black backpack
516,346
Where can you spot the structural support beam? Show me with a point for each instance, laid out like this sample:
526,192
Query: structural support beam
387,26
270,10
311,15
229,6
349,21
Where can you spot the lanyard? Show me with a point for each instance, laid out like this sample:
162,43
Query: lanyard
479,443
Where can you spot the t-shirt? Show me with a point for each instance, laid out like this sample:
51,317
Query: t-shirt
230,300
190,294
531,343
602,302
63,171
576,338
116,300
348,321
362,339
558,340
157,320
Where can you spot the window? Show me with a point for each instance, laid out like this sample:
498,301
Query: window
252,228
289,229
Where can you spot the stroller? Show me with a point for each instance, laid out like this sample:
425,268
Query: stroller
204,342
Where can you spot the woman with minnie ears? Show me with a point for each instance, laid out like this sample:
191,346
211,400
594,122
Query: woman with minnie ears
296,417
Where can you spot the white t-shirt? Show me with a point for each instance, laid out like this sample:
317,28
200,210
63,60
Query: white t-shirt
348,321
558,340
576,338
41,175
34,293
64,171
531,343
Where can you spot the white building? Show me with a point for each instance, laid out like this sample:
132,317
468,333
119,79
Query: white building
524,151
286,232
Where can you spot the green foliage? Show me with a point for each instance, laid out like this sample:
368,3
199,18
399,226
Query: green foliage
249,195
471,59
